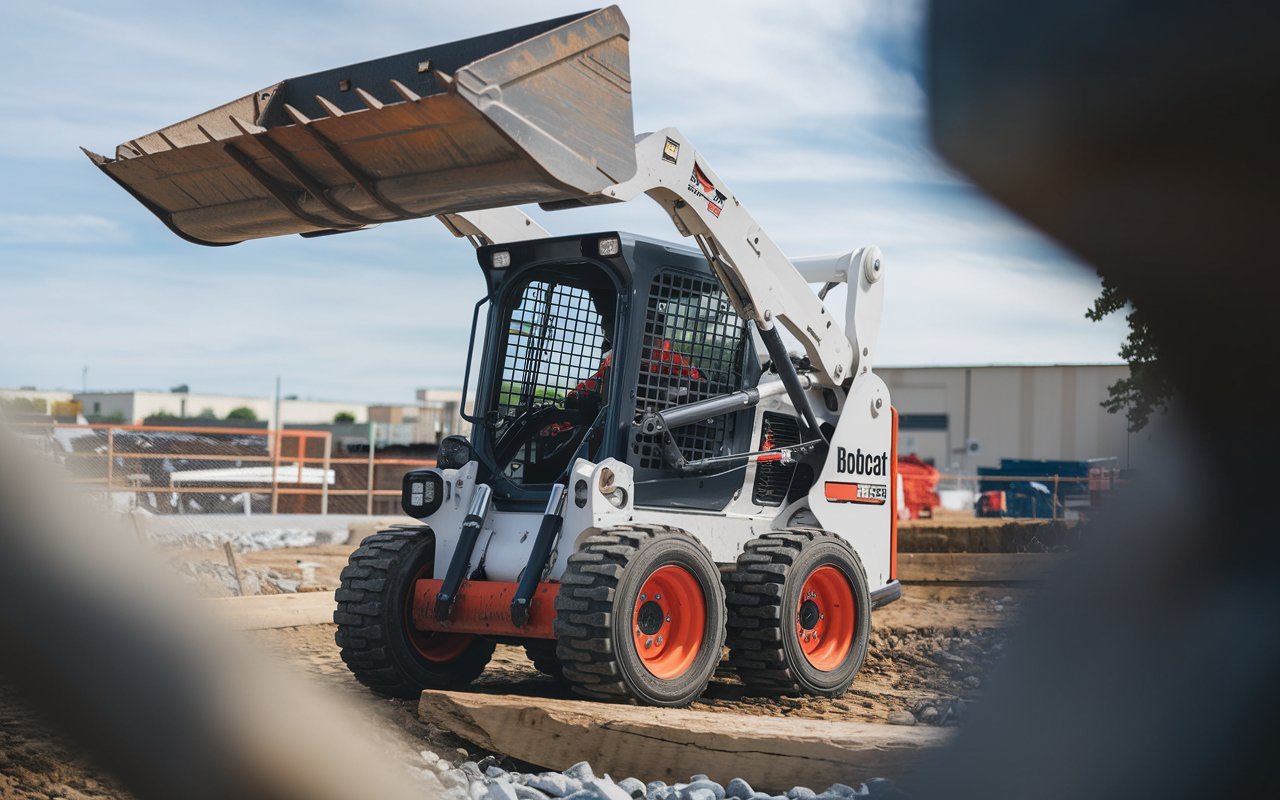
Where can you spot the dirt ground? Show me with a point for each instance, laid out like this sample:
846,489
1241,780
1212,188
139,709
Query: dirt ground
928,656
930,649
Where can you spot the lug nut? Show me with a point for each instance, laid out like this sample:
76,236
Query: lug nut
657,597
659,640
643,598
648,643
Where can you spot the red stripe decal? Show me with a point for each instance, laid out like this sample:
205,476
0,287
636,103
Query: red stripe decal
869,493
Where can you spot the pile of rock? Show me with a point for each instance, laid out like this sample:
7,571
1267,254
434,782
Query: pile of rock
486,780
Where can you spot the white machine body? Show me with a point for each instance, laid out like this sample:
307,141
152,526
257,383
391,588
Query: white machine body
854,494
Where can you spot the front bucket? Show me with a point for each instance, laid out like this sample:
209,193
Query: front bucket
536,114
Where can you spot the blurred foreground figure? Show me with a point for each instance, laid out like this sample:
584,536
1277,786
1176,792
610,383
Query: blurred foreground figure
109,647
1142,137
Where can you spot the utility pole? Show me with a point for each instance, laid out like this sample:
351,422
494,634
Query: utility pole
275,423
84,379
273,431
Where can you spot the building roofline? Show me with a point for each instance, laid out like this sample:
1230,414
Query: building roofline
265,397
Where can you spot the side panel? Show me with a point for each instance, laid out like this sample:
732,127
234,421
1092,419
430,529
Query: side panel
852,495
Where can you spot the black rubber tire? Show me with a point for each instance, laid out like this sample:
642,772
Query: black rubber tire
763,593
543,656
596,605
373,606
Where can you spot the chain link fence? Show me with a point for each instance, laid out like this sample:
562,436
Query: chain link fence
180,470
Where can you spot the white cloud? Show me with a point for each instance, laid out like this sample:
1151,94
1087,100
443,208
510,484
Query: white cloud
59,229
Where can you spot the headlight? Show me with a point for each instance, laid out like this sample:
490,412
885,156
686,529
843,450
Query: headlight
421,493
454,452
610,246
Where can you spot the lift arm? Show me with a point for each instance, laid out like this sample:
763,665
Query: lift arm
763,285
493,226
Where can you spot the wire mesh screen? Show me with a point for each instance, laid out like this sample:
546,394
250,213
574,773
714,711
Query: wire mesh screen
692,350
552,379
554,346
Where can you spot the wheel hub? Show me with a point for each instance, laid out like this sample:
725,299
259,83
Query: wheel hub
809,615
651,618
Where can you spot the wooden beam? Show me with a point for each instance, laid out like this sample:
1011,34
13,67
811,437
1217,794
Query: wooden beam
262,611
670,744
977,567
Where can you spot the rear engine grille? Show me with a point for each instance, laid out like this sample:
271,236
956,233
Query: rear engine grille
773,478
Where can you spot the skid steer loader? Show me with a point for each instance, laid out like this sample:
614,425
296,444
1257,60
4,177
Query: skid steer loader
651,474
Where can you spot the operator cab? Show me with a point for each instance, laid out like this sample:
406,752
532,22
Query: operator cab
584,335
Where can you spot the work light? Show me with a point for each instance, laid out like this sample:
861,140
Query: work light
454,452
422,493
610,246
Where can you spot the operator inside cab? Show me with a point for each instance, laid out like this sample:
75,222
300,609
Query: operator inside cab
555,377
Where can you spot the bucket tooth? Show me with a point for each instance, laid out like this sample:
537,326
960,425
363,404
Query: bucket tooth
297,116
372,102
94,157
329,107
247,128
407,94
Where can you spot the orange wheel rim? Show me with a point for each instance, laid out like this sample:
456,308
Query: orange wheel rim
437,646
669,621
825,618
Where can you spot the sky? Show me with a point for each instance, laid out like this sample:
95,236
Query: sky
814,114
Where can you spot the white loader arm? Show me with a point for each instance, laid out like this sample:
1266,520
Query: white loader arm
493,226
764,286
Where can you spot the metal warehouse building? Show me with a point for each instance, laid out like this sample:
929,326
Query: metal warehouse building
961,418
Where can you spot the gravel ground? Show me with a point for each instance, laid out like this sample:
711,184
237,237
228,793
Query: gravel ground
489,780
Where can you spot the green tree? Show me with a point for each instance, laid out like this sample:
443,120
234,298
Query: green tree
26,404
343,417
242,413
1147,390
207,413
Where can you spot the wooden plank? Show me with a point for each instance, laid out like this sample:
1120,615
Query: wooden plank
977,567
259,612
770,753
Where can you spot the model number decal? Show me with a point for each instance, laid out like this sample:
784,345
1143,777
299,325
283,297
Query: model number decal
869,493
